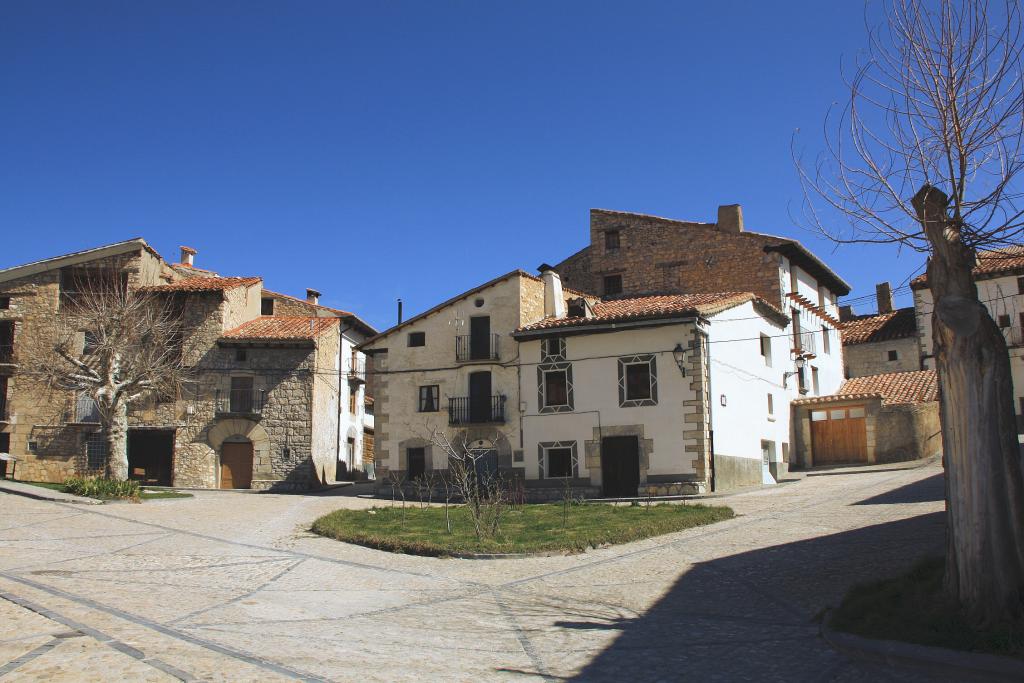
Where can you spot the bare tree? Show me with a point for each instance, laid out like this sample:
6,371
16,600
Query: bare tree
116,346
927,155
485,493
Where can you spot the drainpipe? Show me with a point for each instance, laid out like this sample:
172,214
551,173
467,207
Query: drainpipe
711,421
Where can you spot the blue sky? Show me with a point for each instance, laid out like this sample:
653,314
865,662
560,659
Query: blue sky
383,150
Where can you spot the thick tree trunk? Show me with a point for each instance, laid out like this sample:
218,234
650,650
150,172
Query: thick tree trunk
117,443
984,478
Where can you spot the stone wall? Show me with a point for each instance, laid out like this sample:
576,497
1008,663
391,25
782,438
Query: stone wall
873,358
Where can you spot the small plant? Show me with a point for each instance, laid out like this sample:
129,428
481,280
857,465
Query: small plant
95,487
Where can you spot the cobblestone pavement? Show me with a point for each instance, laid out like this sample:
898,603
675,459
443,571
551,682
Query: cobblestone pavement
230,586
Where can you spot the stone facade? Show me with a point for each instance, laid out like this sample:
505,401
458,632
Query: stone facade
875,358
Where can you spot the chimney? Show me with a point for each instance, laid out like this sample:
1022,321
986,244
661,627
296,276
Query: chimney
312,296
730,218
554,300
188,255
883,292
845,313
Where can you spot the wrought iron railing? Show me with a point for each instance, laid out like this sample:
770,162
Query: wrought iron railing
476,410
476,347
240,401
355,368
806,343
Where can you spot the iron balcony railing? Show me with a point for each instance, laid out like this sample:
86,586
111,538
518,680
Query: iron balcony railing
464,410
806,343
476,347
355,368
240,401
86,410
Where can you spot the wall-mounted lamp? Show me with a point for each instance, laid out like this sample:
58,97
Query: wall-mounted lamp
800,362
678,355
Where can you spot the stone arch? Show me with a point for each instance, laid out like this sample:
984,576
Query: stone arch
253,431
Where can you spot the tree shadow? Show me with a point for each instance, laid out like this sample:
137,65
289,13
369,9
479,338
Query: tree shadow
924,491
753,615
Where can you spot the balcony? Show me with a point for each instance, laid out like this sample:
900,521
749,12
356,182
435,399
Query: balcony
806,343
469,347
465,410
86,411
240,402
355,369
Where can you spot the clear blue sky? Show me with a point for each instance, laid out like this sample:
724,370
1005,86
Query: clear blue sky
381,150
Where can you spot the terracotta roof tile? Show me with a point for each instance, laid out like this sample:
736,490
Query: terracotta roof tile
648,307
883,327
919,386
204,284
990,263
280,328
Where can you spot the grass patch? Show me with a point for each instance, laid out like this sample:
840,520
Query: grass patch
912,608
529,529
102,489
160,495
43,485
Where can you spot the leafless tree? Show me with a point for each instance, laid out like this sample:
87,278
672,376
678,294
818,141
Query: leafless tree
116,346
926,154
484,493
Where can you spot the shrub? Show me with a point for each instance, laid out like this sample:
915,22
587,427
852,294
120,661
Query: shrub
96,487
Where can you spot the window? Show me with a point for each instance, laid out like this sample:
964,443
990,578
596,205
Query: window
638,381
241,395
552,349
766,350
795,314
1020,405
559,462
818,416
892,354
430,398
241,355
814,381
554,387
612,285
417,462
826,342
353,394
417,339
266,306
91,342
95,451
857,411
33,446
771,404
1004,320
1020,285
5,302
838,414
611,240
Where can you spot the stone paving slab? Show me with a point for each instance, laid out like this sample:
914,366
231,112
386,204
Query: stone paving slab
232,586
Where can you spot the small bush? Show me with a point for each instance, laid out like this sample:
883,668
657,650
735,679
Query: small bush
96,487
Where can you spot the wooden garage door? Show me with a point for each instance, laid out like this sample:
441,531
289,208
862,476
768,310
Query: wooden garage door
236,466
839,435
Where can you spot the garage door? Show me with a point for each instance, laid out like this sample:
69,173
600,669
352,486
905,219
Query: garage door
839,435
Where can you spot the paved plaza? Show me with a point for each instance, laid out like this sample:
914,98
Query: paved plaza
232,586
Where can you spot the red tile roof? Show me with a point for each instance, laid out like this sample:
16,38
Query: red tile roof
883,327
204,284
990,263
919,386
280,328
650,307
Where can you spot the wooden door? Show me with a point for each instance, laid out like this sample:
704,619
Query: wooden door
480,337
480,397
236,466
620,466
839,435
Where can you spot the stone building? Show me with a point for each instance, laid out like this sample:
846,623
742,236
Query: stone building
882,342
265,409
882,418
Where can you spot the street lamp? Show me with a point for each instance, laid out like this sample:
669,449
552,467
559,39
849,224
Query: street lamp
800,362
678,354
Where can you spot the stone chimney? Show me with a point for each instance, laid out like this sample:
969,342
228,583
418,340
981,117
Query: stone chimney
730,218
883,293
188,255
312,296
554,300
845,313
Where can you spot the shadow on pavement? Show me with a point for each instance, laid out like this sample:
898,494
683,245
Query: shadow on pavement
924,491
752,616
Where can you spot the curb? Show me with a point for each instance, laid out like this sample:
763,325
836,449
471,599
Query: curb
80,500
943,663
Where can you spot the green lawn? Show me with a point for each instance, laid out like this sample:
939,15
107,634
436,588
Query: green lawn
44,484
144,495
529,529
912,608
159,495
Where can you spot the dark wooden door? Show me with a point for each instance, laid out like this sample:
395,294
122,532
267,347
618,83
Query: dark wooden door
236,466
620,466
480,337
480,397
839,435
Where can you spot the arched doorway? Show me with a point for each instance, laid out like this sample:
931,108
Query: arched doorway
236,455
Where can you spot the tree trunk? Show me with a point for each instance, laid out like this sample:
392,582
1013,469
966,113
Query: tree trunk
117,443
984,478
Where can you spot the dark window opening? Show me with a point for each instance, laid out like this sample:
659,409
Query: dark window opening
241,355
894,355
91,342
826,341
266,306
6,341
76,283
559,462
1020,285
241,399
552,347
95,451
611,239
638,381
556,388
612,285
417,339
430,398
1004,320
417,465
5,302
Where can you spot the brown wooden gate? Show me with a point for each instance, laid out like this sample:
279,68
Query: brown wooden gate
839,435
236,465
